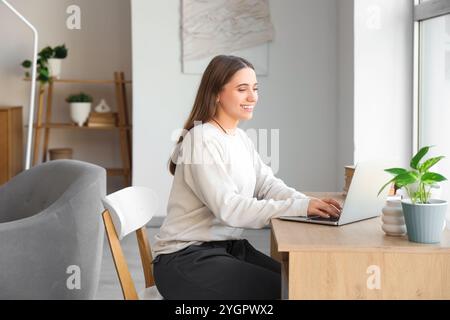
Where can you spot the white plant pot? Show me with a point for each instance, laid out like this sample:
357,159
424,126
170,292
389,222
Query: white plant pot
79,112
425,221
54,67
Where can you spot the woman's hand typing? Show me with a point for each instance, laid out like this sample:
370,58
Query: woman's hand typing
324,208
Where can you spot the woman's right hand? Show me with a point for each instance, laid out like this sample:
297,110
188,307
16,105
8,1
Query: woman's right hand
324,208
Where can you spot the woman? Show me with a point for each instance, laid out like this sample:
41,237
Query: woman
221,186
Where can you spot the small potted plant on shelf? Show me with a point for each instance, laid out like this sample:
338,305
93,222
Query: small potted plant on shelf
424,217
54,62
48,63
80,107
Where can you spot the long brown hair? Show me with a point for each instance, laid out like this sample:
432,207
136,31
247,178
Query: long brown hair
218,73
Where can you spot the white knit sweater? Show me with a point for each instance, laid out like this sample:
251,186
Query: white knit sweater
221,186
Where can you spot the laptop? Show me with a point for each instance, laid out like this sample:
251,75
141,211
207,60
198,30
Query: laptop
362,201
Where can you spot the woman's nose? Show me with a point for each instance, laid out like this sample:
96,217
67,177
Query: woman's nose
252,96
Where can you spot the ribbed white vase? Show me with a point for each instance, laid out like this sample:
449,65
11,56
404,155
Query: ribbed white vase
392,217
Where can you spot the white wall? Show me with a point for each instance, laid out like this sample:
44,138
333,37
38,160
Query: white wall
346,85
383,79
299,96
102,46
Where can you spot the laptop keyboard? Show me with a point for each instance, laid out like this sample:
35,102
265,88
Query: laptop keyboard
319,218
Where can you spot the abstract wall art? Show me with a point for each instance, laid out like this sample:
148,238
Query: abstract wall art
212,27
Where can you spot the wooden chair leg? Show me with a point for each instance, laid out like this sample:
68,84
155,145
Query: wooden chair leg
146,256
126,282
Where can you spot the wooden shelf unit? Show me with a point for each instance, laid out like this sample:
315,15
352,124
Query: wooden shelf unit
44,123
74,126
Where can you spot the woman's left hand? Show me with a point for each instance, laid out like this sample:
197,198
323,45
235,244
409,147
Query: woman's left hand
324,208
332,202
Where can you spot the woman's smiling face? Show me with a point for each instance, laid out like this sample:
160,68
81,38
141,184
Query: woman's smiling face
240,95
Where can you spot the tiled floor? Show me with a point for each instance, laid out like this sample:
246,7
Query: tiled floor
109,287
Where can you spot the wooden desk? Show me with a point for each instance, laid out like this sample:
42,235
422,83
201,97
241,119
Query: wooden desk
357,261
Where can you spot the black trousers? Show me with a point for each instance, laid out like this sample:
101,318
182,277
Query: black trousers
218,270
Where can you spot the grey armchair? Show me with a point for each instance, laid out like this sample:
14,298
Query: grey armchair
51,233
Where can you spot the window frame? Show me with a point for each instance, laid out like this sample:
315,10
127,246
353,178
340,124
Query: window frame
423,10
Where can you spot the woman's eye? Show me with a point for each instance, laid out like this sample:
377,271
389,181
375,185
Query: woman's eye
244,90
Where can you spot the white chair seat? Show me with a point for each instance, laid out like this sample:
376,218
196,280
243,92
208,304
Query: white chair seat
150,293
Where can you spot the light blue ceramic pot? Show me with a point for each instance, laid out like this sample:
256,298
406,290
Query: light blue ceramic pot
424,222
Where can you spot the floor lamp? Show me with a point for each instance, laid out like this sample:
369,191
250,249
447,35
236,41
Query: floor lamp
33,84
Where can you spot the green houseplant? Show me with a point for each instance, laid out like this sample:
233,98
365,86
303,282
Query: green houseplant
80,107
424,217
79,97
49,63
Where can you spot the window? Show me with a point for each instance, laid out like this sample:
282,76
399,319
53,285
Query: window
432,82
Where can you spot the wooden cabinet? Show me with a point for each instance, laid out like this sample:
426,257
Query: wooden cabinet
11,142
